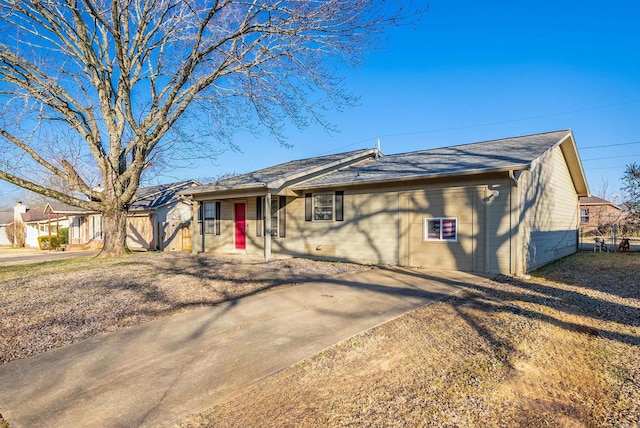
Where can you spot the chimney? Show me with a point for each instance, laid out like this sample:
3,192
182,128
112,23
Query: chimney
19,209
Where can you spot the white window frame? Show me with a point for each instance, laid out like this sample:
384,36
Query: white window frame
441,220
209,223
584,215
314,206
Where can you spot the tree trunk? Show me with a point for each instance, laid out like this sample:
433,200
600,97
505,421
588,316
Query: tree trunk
115,232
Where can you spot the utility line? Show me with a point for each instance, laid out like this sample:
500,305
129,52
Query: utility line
432,131
609,157
608,145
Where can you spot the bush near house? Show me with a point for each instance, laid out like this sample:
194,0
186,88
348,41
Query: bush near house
46,243
56,240
63,235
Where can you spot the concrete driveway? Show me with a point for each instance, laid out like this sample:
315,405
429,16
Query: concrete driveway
156,374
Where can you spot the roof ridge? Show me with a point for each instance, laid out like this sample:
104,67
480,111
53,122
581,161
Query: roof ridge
480,142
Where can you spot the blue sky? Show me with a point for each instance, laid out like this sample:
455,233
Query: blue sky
473,71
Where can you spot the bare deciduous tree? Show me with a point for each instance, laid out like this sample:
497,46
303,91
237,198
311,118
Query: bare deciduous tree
631,187
96,92
17,234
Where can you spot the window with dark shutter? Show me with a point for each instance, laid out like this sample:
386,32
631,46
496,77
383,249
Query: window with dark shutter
218,212
259,225
339,206
308,207
282,229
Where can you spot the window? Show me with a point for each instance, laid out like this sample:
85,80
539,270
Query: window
440,229
209,218
96,227
584,215
324,206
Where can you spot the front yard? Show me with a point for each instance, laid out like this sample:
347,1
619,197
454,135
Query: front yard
51,304
560,349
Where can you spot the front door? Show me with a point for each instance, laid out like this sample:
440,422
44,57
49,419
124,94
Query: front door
241,229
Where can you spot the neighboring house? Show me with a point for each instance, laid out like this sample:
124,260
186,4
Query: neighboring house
597,215
85,227
38,223
158,219
503,206
6,220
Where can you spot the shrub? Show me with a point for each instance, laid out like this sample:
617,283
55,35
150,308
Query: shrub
44,244
63,236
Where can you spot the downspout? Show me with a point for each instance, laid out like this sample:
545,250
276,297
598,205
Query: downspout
487,226
487,235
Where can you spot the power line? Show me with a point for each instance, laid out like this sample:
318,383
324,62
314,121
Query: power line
606,167
432,131
509,121
608,145
609,157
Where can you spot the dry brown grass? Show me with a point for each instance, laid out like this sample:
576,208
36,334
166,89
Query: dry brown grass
561,349
56,303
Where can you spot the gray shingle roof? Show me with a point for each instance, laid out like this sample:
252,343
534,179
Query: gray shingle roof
156,196
62,208
504,154
274,175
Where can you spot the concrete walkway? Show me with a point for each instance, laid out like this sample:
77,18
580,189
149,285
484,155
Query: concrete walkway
158,373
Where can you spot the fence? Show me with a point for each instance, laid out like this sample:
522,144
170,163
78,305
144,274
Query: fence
588,243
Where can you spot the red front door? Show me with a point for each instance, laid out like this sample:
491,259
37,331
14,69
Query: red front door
241,229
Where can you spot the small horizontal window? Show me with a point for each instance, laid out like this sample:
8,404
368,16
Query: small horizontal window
324,206
441,229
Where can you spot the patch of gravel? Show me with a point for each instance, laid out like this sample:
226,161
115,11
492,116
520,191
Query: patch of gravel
42,310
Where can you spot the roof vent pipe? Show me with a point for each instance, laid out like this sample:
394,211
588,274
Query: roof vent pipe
378,149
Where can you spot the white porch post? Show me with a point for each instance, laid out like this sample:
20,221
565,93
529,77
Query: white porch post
267,227
195,243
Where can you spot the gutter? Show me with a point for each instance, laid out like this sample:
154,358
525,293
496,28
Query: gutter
510,169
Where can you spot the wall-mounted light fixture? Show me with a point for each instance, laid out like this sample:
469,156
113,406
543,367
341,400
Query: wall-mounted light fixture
496,193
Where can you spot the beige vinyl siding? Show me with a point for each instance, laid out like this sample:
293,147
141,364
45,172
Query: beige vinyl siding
549,212
225,241
460,203
498,229
368,233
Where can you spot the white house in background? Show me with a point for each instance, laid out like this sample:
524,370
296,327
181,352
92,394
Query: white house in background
38,223
158,219
6,220
85,227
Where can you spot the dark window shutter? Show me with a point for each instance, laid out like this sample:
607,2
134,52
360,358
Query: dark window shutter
339,206
308,214
201,217
282,229
218,209
259,225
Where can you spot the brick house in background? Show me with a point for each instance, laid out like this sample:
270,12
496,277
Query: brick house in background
597,215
